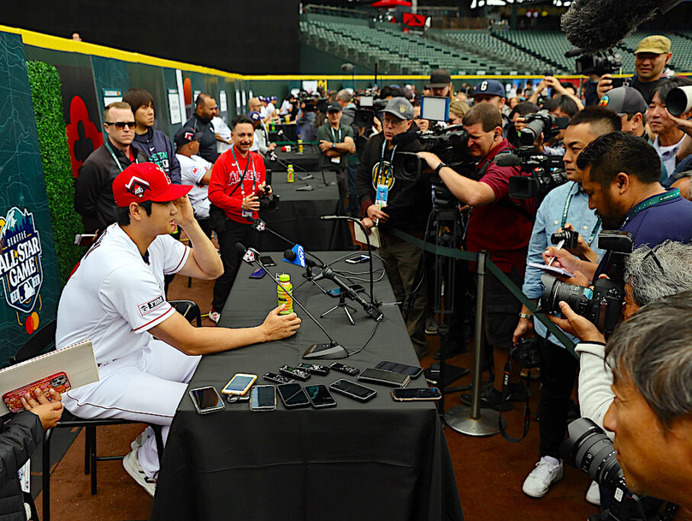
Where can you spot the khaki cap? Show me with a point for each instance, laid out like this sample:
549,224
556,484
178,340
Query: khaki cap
656,44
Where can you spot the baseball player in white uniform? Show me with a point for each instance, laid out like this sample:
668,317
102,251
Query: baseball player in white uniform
115,297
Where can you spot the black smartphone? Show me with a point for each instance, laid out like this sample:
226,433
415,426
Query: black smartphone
267,260
206,399
337,291
263,398
353,390
411,370
293,396
416,394
320,396
258,274
384,377
346,369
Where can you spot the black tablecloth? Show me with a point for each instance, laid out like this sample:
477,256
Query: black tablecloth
284,132
297,217
308,160
376,461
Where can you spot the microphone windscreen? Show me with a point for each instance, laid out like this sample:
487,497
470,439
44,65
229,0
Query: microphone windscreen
507,160
598,25
240,248
289,255
297,256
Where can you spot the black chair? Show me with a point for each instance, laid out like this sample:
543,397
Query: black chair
43,341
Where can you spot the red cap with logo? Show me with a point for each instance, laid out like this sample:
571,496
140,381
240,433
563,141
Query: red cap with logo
141,182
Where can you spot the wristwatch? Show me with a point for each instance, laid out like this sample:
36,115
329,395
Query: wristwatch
439,167
333,145
527,316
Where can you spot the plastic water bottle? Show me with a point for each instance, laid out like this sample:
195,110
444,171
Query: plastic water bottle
300,146
290,174
285,294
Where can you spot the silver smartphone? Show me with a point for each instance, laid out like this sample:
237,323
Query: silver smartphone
263,398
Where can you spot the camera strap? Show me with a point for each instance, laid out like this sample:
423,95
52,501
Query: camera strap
596,227
505,395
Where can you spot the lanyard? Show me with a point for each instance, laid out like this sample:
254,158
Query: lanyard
391,160
117,163
334,135
596,227
242,178
651,201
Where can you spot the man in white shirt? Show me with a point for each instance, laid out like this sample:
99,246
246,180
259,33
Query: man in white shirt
145,350
195,171
222,131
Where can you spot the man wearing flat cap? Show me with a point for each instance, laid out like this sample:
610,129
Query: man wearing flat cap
651,58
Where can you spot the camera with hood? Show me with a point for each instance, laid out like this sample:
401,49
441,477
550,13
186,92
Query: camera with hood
547,172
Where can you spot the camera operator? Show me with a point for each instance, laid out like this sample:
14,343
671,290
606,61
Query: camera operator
516,119
441,84
497,224
621,176
558,89
237,182
565,205
403,205
651,57
672,142
305,118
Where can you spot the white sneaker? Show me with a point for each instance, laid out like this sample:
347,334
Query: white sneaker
134,469
548,471
214,316
139,440
593,495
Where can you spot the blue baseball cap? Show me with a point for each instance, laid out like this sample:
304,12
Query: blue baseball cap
254,116
491,88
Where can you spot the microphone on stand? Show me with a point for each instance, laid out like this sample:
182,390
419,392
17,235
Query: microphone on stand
296,256
330,351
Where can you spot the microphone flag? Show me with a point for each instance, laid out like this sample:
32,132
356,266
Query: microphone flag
299,259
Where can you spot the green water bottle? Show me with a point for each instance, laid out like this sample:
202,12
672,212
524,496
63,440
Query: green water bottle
290,174
285,294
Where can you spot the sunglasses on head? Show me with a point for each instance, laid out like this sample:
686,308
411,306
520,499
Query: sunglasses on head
122,124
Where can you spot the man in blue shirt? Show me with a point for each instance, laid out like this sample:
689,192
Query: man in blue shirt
621,178
566,206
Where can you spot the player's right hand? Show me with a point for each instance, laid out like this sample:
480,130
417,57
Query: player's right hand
277,326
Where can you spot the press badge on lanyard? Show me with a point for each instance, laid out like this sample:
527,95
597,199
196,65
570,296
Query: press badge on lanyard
382,194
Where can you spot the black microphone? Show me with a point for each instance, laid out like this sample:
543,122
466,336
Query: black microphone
331,351
598,25
290,256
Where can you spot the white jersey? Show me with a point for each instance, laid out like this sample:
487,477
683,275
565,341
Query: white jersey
114,297
224,131
192,170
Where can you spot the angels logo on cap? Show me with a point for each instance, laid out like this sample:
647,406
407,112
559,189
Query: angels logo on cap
137,186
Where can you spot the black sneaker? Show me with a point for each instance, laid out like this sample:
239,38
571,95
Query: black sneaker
431,327
491,398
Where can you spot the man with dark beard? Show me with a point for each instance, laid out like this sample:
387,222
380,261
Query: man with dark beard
621,178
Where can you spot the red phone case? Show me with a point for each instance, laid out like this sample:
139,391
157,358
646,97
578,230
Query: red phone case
58,381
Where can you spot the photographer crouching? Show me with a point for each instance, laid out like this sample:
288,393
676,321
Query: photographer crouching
390,203
498,224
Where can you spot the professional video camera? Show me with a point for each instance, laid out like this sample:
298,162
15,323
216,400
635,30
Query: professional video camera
312,103
541,122
367,108
547,172
602,303
589,449
600,63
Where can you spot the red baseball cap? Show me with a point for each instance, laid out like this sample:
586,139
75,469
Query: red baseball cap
141,182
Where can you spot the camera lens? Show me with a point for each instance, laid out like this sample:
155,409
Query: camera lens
578,297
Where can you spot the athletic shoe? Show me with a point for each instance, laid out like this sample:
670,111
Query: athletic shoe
548,470
431,327
139,440
593,495
214,316
134,469
491,398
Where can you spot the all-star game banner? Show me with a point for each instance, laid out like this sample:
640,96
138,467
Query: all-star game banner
29,277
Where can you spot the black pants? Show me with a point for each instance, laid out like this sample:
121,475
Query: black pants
558,375
230,233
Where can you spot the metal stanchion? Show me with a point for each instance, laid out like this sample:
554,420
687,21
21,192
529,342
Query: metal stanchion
468,420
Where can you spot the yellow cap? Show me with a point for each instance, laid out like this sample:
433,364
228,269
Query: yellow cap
656,44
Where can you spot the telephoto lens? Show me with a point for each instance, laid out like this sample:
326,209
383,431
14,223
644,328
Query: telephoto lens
578,297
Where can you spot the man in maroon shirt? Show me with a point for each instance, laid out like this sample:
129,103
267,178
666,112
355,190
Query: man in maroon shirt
237,180
498,224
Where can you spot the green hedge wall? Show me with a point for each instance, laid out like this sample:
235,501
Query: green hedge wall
55,156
